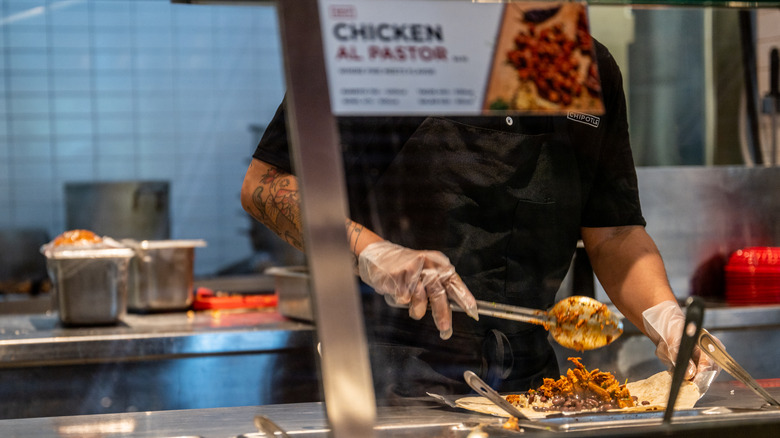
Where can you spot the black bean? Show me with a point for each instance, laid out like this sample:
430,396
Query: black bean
645,402
558,400
542,399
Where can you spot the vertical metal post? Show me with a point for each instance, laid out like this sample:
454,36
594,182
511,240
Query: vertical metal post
746,31
346,373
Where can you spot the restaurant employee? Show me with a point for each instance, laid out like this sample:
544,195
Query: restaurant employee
452,208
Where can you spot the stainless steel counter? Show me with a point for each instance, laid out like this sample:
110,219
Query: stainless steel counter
152,362
30,340
727,408
222,359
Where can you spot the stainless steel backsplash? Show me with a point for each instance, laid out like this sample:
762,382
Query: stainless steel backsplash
698,216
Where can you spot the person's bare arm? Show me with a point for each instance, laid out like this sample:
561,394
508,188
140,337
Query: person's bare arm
271,196
629,266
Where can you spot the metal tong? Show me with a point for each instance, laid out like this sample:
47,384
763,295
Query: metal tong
506,311
485,390
694,316
694,334
709,345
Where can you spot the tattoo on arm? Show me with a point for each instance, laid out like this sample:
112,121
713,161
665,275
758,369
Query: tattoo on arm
353,234
276,204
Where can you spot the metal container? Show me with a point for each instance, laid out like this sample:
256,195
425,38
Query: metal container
292,285
161,275
90,284
120,209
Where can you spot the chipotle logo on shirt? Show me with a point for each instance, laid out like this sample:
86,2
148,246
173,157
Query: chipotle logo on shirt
587,119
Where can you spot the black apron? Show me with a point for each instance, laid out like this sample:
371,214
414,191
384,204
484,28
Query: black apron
502,200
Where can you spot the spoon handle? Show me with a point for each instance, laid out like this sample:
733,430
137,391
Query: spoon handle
505,311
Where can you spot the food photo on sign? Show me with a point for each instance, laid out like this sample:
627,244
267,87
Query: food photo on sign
544,61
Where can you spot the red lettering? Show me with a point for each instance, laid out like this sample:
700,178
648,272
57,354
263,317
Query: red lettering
403,53
350,53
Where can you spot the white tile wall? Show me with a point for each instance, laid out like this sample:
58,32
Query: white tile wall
107,90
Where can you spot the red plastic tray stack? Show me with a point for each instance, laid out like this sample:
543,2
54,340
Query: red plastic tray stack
753,276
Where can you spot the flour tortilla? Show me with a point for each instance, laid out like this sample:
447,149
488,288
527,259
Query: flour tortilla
654,389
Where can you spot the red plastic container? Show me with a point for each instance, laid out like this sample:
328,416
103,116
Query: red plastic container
208,299
753,276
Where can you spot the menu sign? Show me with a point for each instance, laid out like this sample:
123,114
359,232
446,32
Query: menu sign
394,57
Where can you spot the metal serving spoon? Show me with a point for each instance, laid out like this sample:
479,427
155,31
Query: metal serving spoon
486,391
577,322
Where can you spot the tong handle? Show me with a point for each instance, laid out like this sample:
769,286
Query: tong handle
506,311
498,310
709,345
694,315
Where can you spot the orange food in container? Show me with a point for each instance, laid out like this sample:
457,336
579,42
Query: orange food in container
89,274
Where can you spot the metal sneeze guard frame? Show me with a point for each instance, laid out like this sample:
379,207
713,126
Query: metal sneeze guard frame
346,373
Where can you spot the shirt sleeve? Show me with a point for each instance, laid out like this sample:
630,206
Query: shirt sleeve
273,147
613,196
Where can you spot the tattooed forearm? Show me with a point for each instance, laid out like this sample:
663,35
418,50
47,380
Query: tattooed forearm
353,234
275,203
271,196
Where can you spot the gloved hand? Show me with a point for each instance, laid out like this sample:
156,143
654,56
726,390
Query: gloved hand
664,324
416,278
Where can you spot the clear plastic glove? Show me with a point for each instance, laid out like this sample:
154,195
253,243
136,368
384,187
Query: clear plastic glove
416,278
664,324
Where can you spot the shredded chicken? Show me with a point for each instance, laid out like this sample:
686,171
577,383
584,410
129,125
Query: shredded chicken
580,384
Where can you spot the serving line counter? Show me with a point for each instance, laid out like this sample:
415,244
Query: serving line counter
215,359
179,360
727,409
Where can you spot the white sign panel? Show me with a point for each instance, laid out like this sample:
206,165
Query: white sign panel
388,57
400,56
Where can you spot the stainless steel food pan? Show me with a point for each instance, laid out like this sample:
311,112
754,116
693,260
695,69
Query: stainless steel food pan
90,284
161,275
292,285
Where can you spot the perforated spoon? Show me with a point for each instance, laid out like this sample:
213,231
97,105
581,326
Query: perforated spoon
577,322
